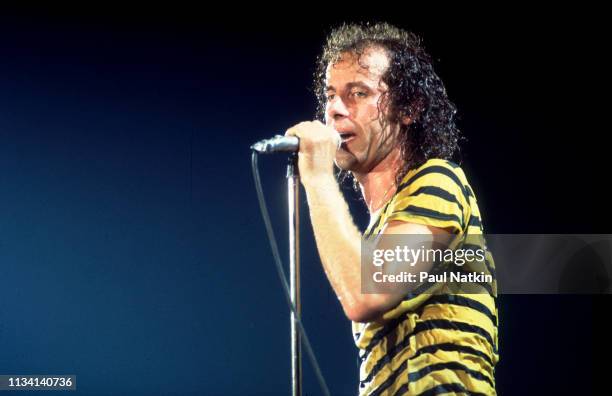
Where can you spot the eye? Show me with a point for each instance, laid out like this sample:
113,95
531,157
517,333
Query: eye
360,94
330,97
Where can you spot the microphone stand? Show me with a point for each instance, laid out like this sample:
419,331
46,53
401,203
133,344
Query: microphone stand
293,194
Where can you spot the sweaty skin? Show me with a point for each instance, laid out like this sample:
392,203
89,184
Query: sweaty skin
355,107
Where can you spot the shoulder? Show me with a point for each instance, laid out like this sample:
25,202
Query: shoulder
437,177
435,194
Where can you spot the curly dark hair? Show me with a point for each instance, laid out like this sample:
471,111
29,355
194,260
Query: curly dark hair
414,90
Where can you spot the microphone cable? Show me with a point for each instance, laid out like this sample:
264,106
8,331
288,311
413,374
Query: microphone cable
283,278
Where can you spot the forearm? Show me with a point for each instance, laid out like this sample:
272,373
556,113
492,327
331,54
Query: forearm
338,241
339,245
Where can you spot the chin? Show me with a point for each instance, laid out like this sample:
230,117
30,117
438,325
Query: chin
346,161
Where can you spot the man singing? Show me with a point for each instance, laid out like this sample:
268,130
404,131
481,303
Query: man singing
378,94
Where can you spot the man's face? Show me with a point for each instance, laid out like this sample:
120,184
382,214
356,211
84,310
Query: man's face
353,108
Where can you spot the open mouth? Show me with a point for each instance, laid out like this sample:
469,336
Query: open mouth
346,136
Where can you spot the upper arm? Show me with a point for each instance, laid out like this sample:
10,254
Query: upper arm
414,236
398,227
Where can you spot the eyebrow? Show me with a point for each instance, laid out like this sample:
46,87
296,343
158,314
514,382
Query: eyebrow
351,85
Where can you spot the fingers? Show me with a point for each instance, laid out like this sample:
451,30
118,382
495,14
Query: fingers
300,129
314,131
317,149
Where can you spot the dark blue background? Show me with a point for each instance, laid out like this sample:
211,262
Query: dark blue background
132,252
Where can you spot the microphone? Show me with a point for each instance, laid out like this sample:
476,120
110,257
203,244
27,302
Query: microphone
277,144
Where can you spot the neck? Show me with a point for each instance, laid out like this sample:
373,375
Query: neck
379,185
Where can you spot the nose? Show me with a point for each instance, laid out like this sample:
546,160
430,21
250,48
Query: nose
336,109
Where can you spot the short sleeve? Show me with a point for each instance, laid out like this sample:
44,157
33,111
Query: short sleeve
435,194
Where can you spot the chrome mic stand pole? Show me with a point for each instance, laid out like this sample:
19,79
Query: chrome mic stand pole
293,191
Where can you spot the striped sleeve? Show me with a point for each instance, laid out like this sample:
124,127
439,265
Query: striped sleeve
434,195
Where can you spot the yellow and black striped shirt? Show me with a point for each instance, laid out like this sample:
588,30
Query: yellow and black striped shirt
433,343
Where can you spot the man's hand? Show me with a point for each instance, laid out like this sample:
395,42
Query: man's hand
318,146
